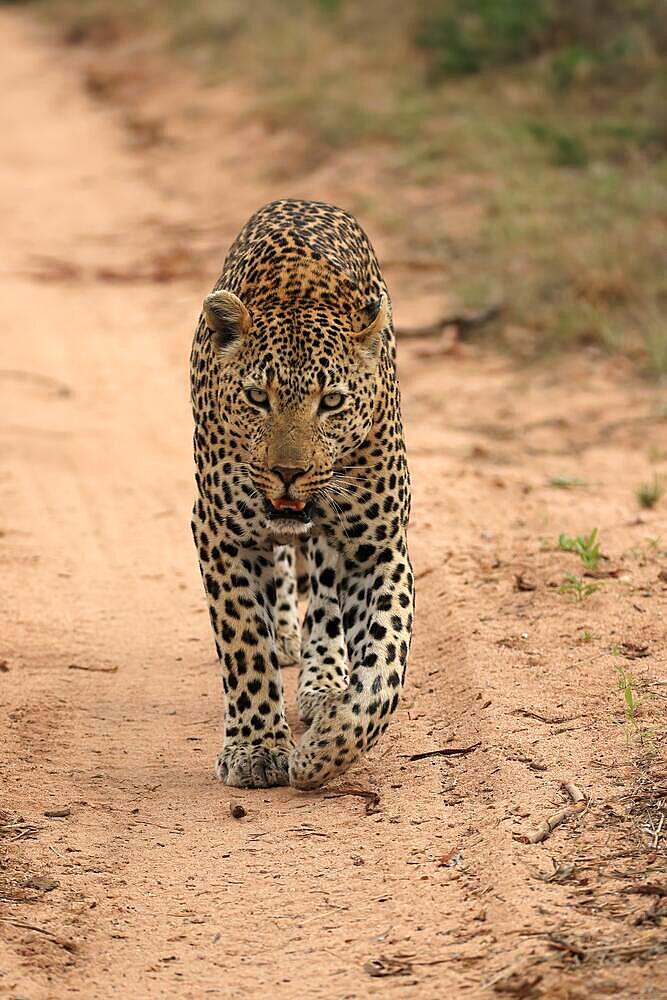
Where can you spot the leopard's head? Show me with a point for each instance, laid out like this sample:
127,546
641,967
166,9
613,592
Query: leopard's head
296,384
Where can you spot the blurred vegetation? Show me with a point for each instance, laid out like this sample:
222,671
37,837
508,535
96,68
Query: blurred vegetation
556,108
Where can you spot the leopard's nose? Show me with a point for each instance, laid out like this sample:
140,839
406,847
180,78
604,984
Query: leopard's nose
288,473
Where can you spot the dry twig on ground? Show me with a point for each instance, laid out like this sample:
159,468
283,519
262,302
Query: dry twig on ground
463,323
61,942
372,798
547,826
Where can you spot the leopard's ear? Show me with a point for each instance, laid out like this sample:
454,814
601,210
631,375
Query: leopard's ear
370,338
227,319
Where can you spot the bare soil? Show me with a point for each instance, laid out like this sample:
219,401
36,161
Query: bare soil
125,868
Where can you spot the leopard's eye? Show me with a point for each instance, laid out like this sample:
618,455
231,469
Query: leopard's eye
257,397
332,401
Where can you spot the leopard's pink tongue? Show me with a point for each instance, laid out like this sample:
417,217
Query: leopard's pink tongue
285,503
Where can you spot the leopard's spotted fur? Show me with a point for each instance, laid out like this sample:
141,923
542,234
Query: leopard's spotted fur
299,319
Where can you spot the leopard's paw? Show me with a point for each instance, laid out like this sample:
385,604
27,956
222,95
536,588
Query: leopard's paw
329,746
246,766
311,702
288,648
317,691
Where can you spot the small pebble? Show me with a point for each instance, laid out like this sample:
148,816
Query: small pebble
41,882
237,811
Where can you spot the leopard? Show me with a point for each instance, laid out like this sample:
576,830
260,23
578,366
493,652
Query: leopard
302,485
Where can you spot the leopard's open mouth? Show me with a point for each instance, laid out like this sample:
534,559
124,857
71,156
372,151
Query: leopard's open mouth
288,508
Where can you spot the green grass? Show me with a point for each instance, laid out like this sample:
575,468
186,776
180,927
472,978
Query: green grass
576,588
566,482
651,492
587,547
468,36
627,685
553,114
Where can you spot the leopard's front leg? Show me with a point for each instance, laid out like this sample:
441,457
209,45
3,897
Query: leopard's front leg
377,601
288,628
323,660
241,595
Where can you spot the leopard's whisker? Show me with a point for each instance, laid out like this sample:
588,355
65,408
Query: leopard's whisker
368,467
335,508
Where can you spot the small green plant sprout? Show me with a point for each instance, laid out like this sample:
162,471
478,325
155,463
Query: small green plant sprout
576,588
586,636
587,548
649,493
631,701
567,483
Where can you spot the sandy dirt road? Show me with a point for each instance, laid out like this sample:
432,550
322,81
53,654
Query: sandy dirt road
147,886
